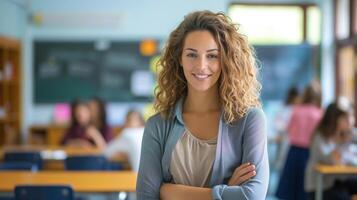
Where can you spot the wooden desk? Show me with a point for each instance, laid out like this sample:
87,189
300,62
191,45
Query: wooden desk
70,151
80,181
52,134
50,152
46,134
325,170
53,156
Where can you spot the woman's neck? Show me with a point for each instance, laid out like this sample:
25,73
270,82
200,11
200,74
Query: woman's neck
200,102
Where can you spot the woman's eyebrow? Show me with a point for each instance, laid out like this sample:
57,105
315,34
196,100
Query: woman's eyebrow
212,50
190,49
209,50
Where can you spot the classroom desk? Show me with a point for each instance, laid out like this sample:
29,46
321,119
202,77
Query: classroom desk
96,182
52,134
53,155
325,170
51,152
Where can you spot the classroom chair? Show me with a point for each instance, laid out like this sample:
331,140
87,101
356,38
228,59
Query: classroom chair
44,192
7,198
18,166
87,162
30,157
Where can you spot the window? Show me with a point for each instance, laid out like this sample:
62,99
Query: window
277,24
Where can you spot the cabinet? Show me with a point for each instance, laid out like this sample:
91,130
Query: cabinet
10,91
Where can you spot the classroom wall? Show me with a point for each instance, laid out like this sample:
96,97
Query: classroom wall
134,20
12,18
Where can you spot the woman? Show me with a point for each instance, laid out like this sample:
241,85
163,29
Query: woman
208,140
99,118
81,133
304,119
331,135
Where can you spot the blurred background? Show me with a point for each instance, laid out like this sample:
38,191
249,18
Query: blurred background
55,52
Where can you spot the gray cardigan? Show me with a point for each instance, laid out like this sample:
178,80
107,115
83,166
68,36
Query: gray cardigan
243,141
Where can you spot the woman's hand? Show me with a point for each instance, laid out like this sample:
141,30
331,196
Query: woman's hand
169,191
242,174
96,137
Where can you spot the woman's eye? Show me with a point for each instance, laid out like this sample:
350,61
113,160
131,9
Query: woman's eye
191,55
212,56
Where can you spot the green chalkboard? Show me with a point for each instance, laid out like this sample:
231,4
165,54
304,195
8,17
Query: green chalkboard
115,71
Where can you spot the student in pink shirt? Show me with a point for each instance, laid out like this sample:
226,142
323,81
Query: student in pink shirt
303,122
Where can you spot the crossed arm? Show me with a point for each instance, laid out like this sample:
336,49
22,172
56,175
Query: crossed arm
176,191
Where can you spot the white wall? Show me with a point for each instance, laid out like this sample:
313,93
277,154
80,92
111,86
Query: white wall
12,18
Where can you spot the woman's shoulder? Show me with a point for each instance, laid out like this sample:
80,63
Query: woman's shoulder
158,120
155,119
253,115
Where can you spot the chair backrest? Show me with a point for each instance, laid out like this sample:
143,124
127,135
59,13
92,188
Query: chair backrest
18,166
88,162
44,192
30,157
7,198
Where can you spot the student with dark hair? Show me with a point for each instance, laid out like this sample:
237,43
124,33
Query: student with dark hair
99,118
81,133
327,148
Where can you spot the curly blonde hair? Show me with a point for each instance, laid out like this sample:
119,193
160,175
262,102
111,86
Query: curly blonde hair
239,88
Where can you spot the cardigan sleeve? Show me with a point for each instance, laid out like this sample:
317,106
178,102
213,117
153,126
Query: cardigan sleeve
254,151
150,175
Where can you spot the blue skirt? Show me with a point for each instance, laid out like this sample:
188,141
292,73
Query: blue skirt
291,183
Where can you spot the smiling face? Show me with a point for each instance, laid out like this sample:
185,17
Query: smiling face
201,61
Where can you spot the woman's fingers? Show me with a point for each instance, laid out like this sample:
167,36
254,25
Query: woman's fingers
246,169
242,173
245,178
238,169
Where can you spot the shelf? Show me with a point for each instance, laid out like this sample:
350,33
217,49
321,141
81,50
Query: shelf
10,82
8,120
10,91
9,43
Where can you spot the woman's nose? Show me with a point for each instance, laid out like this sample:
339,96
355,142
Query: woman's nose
201,62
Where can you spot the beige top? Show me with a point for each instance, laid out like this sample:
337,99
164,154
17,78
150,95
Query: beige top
192,160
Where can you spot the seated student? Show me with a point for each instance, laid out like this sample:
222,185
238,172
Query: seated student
81,133
129,141
348,106
99,118
327,148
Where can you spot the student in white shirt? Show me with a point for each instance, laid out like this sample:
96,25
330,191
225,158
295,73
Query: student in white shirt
129,140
